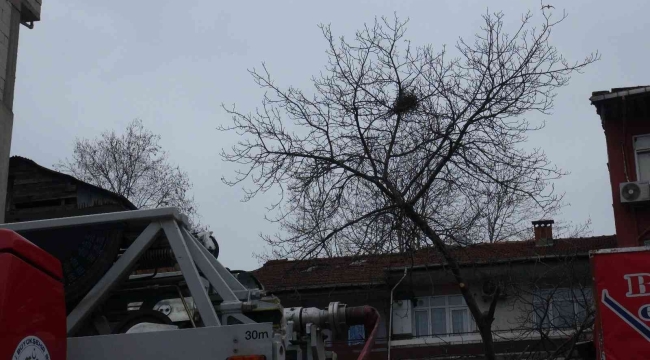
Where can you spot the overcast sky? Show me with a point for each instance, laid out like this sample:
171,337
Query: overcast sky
94,65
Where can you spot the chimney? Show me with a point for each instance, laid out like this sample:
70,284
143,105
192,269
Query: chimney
543,232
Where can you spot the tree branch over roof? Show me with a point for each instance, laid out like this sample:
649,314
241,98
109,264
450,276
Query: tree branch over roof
400,147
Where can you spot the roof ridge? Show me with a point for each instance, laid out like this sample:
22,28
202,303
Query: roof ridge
484,245
285,274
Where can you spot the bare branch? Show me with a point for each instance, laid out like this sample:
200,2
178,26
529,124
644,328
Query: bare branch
133,165
399,147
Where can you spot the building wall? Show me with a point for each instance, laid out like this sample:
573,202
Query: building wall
35,193
6,128
622,120
6,114
11,13
6,10
89,197
511,310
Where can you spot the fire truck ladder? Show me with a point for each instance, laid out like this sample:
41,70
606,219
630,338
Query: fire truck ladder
215,339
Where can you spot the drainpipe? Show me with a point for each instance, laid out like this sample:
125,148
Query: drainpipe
390,322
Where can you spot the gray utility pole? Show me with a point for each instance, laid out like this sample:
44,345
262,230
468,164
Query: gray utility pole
12,14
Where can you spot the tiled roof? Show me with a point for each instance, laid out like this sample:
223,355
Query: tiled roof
278,275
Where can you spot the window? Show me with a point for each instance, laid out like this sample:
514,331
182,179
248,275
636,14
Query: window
561,308
642,156
441,316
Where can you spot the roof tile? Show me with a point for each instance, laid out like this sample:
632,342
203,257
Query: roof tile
278,275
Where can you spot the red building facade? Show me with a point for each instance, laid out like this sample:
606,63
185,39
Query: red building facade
625,117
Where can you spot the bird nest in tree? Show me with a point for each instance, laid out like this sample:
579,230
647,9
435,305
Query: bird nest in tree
407,101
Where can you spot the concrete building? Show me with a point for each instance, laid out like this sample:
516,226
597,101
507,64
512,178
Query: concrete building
13,13
546,301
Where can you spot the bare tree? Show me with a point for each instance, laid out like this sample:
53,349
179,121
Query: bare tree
132,164
555,301
506,216
397,145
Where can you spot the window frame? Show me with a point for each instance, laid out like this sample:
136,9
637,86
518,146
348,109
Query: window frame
448,309
637,166
559,295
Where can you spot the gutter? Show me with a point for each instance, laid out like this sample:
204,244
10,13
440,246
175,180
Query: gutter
618,94
619,250
494,262
390,322
325,286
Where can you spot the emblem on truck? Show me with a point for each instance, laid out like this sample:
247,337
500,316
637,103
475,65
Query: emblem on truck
31,348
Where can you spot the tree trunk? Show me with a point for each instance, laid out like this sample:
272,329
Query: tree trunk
483,320
485,329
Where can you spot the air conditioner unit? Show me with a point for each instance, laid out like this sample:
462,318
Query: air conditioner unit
632,192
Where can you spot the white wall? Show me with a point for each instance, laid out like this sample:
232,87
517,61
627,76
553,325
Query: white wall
9,30
6,115
507,324
5,32
511,312
508,313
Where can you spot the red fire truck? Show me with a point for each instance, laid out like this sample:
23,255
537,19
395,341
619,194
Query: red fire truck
622,297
